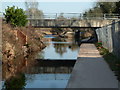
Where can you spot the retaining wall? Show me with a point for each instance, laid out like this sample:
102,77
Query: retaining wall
110,37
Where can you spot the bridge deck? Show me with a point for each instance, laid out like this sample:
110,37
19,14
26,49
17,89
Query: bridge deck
91,71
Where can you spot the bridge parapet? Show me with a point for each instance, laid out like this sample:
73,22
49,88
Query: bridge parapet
67,23
73,20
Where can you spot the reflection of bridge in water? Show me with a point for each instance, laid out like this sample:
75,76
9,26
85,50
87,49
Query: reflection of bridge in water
71,20
51,66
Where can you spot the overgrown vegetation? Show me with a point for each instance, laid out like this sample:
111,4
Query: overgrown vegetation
110,58
103,51
15,16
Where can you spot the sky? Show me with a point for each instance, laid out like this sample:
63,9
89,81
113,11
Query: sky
54,7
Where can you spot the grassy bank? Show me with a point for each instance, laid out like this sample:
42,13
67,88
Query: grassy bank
110,58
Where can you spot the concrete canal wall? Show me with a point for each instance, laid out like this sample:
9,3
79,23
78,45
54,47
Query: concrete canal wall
110,37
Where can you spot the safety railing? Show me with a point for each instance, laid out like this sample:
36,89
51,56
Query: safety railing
76,16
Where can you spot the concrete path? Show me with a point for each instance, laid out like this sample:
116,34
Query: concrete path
91,71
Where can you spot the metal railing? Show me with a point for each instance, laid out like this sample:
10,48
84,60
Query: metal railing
111,16
76,16
73,16
71,20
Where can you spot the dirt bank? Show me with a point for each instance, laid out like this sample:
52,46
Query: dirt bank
19,41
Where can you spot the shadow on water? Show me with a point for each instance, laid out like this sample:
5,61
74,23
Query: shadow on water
49,73
56,62
51,67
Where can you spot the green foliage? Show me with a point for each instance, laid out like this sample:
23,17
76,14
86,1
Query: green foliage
110,58
107,7
15,83
99,44
101,8
15,16
117,10
103,51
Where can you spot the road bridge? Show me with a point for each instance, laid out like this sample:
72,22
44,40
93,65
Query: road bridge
71,20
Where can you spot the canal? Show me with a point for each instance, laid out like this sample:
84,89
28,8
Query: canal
49,68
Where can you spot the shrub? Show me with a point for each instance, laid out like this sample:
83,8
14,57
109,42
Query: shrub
15,16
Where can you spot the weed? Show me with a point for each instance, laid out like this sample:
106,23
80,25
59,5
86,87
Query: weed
111,59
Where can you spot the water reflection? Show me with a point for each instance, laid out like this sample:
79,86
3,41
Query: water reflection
49,73
17,82
51,68
48,81
61,48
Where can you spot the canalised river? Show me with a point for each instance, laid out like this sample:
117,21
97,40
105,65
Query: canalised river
52,68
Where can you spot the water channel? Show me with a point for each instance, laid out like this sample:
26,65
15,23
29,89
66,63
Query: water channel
50,68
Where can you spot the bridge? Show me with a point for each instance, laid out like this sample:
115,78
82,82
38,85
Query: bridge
90,70
71,20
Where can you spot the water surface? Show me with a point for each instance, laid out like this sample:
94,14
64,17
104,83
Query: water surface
51,68
60,49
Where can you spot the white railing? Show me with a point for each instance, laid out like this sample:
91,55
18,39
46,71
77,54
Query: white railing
77,16
72,16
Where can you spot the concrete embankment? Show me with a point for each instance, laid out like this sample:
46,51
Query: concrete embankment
109,35
91,71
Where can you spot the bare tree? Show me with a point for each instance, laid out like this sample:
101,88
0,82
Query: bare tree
31,4
32,10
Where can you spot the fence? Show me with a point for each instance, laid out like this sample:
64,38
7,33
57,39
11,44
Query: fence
110,37
76,16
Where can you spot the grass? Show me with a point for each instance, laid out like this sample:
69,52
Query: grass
111,59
